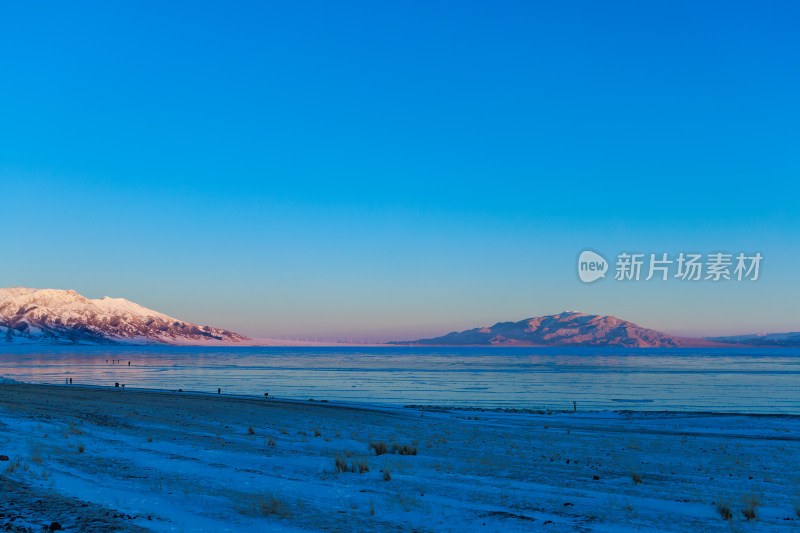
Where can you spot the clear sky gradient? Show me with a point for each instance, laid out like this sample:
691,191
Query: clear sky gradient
376,170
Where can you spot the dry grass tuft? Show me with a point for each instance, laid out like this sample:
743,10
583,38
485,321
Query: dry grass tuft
271,442
149,438
266,504
636,478
379,447
158,480
251,431
796,503
362,465
387,476
405,449
407,502
36,456
317,433
359,466
81,448
12,466
341,464
724,508
751,502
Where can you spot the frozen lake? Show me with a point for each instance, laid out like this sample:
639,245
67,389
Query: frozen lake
749,380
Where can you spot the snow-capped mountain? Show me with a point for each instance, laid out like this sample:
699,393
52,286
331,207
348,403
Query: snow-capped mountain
564,329
58,316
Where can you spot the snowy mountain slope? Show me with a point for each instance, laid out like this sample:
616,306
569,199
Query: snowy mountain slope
564,329
58,316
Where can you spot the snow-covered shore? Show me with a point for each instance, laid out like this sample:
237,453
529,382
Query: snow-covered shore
119,459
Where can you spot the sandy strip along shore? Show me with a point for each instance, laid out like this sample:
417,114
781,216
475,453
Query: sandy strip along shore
95,459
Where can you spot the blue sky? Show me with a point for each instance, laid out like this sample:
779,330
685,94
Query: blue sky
377,171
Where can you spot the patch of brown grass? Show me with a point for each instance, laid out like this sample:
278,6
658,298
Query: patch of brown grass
751,502
405,449
36,456
724,508
266,504
358,466
12,466
796,503
379,447
341,464
361,465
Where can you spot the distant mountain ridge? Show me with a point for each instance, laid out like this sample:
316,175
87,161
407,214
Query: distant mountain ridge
789,340
565,329
65,317
55,316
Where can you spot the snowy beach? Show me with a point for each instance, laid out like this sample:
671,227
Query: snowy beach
97,459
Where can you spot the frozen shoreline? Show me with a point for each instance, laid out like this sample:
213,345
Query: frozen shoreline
716,381
168,461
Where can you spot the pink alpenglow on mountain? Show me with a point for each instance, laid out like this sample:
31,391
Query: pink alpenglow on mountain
565,329
66,317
